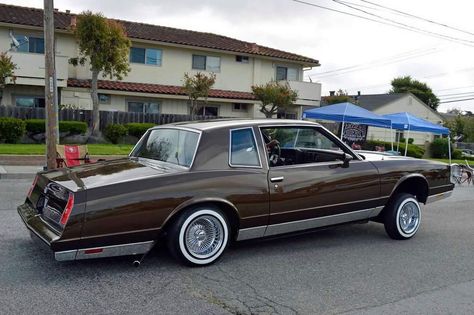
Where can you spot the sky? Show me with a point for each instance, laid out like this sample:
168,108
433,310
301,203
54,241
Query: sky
355,54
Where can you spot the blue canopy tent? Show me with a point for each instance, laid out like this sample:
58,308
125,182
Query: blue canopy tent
348,112
409,122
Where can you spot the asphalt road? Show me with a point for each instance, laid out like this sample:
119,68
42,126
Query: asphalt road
353,269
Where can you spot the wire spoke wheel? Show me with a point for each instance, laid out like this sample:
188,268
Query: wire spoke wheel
409,217
204,236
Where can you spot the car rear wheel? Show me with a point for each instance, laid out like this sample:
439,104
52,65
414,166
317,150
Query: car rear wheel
199,236
402,217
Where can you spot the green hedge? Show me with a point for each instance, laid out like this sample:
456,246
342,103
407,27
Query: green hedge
36,126
439,148
115,132
138,129
413,150
11,129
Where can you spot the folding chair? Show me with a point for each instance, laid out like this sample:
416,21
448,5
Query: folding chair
469,172
71,155
456,173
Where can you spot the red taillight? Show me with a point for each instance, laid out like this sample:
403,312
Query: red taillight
32,186
68,209
93,251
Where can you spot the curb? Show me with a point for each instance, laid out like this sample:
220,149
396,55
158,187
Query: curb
16,176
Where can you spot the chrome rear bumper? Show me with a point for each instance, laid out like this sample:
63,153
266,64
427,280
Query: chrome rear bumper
439,196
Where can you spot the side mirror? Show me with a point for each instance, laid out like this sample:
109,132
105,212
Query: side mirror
346,158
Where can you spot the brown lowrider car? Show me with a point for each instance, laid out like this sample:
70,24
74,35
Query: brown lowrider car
201,185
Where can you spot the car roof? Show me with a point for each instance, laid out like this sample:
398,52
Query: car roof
235,122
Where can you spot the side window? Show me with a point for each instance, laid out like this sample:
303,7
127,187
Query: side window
243,148
300,145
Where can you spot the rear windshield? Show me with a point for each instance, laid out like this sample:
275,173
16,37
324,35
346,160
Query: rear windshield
175,146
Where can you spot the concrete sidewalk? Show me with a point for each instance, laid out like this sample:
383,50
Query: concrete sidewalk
19,171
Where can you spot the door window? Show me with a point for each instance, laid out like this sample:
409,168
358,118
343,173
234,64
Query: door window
300,145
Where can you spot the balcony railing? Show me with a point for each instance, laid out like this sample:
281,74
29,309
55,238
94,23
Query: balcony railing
309,94
31,70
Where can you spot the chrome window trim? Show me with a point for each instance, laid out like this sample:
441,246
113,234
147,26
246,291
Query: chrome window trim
199,132
259,166
307,224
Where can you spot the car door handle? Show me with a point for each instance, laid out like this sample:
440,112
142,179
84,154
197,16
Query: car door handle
277,179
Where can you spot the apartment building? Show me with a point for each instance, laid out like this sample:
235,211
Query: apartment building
159,58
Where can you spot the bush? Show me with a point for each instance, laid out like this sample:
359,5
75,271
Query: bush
439,148
410,140
115,132
457,155
73,127
11,129
138,129
413,150
36,126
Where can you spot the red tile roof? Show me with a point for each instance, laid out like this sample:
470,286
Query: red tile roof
34,17
156,89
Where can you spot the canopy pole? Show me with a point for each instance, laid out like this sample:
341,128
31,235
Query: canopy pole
342,130
406,142
391,136
449,147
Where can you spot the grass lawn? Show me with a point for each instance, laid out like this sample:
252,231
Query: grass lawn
39,149
453,161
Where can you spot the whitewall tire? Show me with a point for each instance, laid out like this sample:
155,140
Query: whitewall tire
402,217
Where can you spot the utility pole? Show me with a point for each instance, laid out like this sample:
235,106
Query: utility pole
50,86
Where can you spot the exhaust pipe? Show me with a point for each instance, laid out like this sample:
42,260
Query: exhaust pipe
136,263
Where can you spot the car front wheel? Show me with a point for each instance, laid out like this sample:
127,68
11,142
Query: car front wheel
403,217
199,236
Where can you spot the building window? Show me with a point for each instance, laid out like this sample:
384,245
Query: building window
29,101
242,59
104,98
149,56
286,115
30,44
286,73
208,63
208,111
144,107
239,107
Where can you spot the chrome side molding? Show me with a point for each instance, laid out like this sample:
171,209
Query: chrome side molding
287,227
439,196
105,251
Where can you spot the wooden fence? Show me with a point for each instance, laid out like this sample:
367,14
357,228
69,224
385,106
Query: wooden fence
106,117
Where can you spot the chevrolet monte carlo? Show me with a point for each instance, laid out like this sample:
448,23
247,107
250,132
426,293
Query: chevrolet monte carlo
198,186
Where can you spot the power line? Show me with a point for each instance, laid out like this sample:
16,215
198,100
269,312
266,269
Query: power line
375,63
460,40
418,17
459,100
456,88
457,94
409,28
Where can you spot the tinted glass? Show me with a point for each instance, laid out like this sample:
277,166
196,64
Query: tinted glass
36,45
153,57
199,62
243,150
137,55
281,73
168,145
135,107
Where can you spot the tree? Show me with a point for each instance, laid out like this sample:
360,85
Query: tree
339,97
419,89
274,97
7,69
104,44
197,86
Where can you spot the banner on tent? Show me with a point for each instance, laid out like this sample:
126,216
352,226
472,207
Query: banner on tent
354,133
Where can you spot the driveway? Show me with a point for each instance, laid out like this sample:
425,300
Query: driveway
353,269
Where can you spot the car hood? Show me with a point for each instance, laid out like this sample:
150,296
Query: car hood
109,172
382,157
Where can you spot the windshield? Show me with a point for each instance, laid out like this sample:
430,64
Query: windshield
175,146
